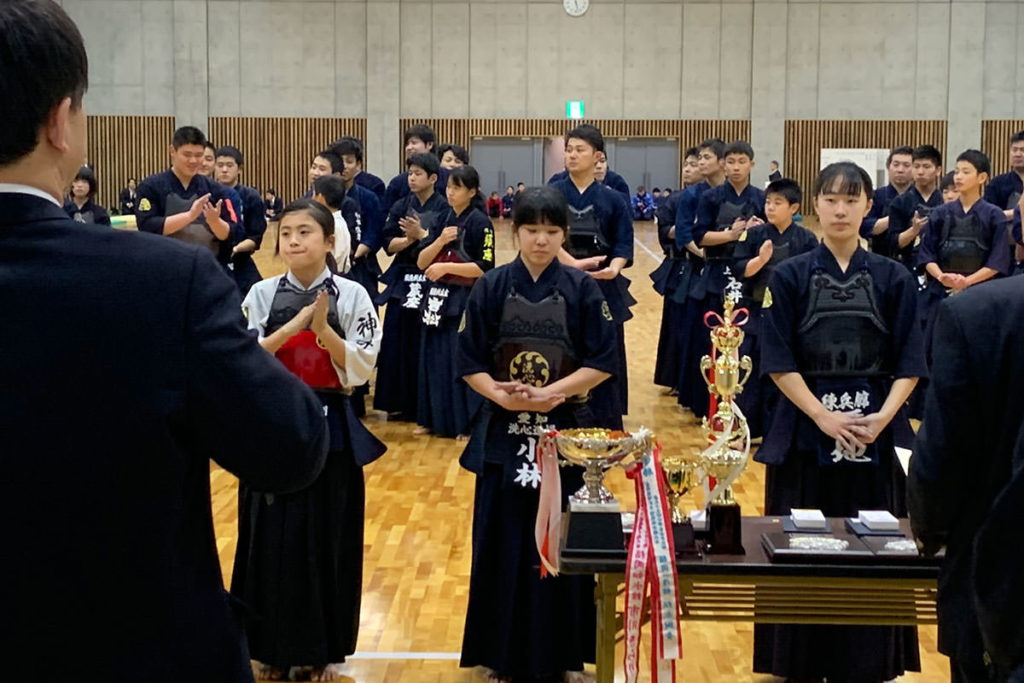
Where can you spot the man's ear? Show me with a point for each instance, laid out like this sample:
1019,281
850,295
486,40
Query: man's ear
58,126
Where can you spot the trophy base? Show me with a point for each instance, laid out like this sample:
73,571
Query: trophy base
587,506
594,533
685,539
725,532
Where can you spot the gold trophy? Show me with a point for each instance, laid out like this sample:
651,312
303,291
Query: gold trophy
726,431
598,450
596,523
681,475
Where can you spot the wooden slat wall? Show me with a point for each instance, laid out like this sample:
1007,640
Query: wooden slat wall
123,147
278,151
995,141
689,132
806,138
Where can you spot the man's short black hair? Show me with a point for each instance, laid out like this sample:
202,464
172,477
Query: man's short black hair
787,189
42,62
347,146
977,159
655,190
1017,137
85,173
332,188
947,181
589,134
458,151
714,145
230,151
691,152
421,131
210,146
903,150
425,160
927,153
337,166
739,147
188,135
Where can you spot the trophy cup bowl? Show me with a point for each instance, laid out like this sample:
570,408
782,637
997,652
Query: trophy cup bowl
597,450
681,477
724,465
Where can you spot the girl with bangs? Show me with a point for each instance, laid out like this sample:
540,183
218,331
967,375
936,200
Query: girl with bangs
299,562
842,341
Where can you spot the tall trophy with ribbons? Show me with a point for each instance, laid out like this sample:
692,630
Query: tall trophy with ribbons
725,428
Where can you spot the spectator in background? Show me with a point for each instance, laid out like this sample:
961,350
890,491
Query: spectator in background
643,205
494,205
80,205
775,173
272,205
508,202
452,156
127,199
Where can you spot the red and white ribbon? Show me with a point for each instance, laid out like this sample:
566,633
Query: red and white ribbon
548,530
652,562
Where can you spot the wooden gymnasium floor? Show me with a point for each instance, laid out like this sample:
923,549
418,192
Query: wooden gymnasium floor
419,509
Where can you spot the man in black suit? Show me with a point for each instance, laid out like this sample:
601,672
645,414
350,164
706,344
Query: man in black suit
774,173
125,367
963,459
128,199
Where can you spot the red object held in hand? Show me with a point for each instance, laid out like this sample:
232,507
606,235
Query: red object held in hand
309,361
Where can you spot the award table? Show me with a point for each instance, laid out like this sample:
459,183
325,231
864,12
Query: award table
876,579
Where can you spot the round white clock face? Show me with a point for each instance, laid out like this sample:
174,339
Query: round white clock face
575,8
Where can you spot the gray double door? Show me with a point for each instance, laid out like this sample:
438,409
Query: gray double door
641,161
644,161
502,162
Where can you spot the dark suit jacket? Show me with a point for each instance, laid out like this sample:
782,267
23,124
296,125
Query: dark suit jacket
774,175
963,452
125,367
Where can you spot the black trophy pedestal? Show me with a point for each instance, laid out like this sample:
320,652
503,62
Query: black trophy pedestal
590,534
685,539
725,533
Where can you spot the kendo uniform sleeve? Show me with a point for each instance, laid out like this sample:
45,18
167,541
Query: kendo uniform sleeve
621,224
747,249
940,464
394,190
597,329
928,249
247,412
476,329
391,229
371,212
102,217
479,241
994,222
149,211
877,211
707,215
1015,229
254,218
362,333
686,214
907,336
779,321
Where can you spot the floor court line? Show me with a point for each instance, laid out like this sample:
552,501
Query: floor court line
405,655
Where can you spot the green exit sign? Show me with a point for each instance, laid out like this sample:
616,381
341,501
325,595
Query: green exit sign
574,109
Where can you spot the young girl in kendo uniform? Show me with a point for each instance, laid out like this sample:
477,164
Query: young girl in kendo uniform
537,337
298,566
841,339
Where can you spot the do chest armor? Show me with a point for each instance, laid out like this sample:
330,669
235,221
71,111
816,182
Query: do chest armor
842,333
533,341
194,233
585,236
962,248
303,354
728,212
